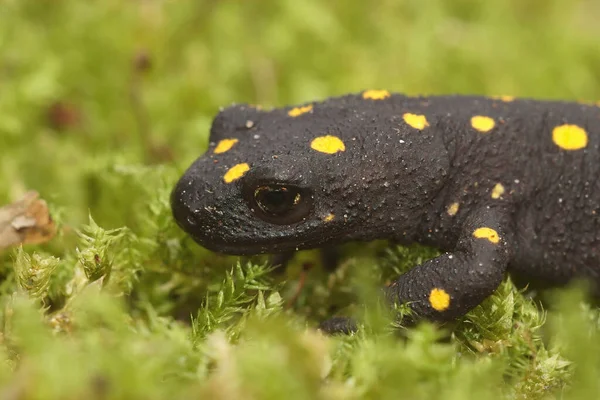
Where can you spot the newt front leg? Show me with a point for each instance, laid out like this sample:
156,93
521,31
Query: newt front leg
448,286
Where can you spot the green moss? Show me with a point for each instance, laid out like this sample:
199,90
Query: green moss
104,104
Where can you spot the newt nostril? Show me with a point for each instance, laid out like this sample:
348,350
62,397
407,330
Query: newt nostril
191,220
187,219
182,213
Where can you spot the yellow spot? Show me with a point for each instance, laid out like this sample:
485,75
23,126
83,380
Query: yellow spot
452,209
504,98
296,111
224,145
569,137
329,217
236,172
416,121
497,191
439,299
487,233
482,124
327,144
376,94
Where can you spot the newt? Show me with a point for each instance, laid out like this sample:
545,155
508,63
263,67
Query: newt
497,184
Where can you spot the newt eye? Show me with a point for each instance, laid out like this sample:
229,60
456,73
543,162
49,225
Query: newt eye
281,204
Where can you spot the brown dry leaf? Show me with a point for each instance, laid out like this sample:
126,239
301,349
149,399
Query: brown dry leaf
26,221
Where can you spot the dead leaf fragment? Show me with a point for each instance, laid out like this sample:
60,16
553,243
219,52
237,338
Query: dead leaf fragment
26,221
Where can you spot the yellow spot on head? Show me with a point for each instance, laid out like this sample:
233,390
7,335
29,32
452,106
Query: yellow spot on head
482,124
569,137
236,172
376,94
296,111
487,233
497,191
504,98
329,217
224,145
452,209
416,121
328,144
439,299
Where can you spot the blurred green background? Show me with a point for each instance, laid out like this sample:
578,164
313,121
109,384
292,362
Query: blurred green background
104,104
85,84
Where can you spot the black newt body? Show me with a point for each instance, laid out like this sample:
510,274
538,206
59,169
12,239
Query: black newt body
498,184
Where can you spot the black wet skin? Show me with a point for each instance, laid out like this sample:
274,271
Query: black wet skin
394,181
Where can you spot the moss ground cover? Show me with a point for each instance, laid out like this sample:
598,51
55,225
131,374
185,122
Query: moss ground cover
104,104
